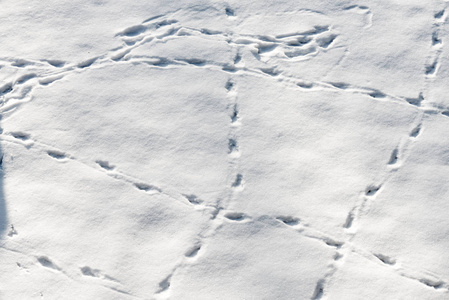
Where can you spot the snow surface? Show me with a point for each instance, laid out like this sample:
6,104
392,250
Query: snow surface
224,150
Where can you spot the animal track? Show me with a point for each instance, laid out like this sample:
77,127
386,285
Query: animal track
237,58
265,47
431,68
270,71
288,220
57,154
235,114
299,41
20,135
165,23
333,243
46,262
319,290
56,63
193,61
317,30
385,259
349,220
235,216
416,131
326,41
416,101
229,12
372,190
12,231
210,32
291,45
377,94
432,283
49,79
6,88
160,62
194,251
193,199
164,284
105,165
394,157
229,85
435,39
238,180
25,78
232,145
439,15
118,56
356,6
86,63
229,68
339,85
133,30
305,85
20,63
147,188
87,271
300,52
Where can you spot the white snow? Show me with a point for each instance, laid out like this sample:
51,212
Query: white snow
224,150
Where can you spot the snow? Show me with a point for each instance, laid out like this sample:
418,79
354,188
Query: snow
224,150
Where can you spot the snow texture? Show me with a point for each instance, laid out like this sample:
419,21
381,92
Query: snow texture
224,150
